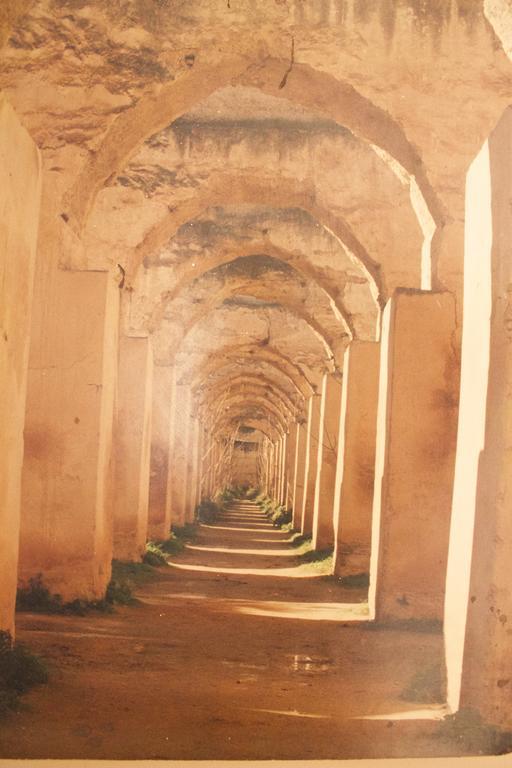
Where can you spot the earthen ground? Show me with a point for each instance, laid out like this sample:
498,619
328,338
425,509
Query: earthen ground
220,664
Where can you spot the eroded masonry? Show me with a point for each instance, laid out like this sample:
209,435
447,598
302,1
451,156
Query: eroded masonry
265,245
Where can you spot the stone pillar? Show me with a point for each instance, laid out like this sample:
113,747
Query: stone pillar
132,448
323,524
192,471
283,469
478,608
268,463
416,426
273,470
208,457
277,469
159,510
215,462
178,473
280,470
20,190
199,464
219,461
66,524
308,505
291,456
353,499
300,474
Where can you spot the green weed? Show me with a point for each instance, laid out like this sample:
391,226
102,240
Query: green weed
35,597
20,670
356,580
207,511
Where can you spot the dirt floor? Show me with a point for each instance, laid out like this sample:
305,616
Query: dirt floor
235,651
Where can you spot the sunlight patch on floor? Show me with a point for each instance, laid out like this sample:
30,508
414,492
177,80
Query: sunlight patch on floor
438,712
292,713
305,611
240,530
232,551
299,572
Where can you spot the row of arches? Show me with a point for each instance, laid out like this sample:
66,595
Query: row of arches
253,257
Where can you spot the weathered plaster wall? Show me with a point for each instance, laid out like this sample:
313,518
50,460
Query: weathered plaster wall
20,190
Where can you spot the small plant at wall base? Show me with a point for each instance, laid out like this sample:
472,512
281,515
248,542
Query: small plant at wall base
226,496
207,511
20,670
154,555
184,533
132,574
157,552
35,597
278,514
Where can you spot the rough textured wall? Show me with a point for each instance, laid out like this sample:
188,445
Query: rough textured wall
20,189
244,464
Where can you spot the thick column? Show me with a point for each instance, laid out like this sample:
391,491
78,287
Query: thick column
283,469
323,524
66,524
192,459
132,448
353,499
215,467
291,456
199,464
274,469
478,610
178,472
20,189
159,510
416,426
300,474
208,459
308,506
277,469
269,468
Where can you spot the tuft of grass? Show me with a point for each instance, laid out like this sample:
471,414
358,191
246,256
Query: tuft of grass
356,580
475,736
132,573
154,554
187,532
173,545
207,511
20,670
157,552
35,597
119,592
280,516
322,561
317,556
226,496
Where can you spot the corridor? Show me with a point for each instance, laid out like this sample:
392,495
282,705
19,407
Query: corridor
255,355
237,650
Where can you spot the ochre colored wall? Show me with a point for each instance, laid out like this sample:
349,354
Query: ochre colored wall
20,191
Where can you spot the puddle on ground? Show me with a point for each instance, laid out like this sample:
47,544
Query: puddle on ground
311,664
